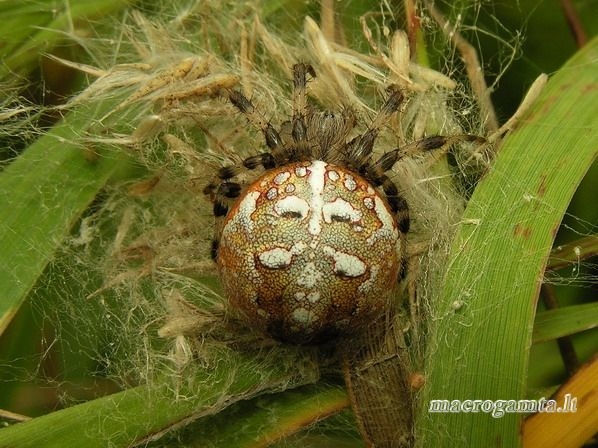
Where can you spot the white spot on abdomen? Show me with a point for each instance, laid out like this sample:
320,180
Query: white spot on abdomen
310,276
281,178
301,171
341,210
316,182
292,204
302,315
388,228
246,208
370,283
350,183
346,264
313,297
276,258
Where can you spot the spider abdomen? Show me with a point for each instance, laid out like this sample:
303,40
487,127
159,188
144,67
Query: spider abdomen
309,251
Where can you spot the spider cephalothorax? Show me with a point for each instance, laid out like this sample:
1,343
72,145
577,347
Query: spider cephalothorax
314,246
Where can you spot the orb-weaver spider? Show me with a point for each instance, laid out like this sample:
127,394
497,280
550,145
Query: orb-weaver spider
314,246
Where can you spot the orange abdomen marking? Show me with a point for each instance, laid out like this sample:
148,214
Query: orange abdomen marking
308,252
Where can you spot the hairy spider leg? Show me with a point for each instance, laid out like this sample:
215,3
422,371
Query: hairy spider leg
256,118
299,127
279,155
360,148
376,173
432,143
222,190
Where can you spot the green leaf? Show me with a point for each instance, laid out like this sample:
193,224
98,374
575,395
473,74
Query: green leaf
552,324
146,412
42,193
268,418
480,349
30,28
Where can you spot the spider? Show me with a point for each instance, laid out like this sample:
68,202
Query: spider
313,247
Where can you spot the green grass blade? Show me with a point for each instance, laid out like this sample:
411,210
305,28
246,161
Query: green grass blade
42,193
480,350
268,418
142,413
552,324
30,28
572,253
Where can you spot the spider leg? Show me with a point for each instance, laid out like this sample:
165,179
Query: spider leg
435,142
224,193
398,205
223,196
266,160
301,149
300,72
361,147
221,187
376,173
256,118
223,174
